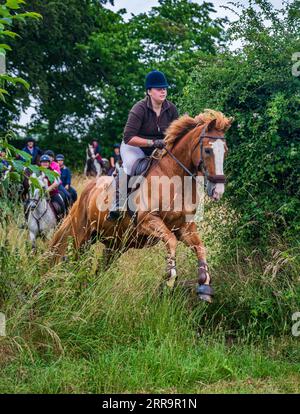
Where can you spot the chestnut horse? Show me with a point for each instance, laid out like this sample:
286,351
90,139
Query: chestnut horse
194,147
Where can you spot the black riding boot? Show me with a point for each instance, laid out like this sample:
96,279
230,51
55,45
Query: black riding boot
114,212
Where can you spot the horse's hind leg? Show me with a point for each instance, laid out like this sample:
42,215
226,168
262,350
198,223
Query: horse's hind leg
109,255
189,235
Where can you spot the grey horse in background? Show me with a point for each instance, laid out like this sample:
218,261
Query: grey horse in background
41,218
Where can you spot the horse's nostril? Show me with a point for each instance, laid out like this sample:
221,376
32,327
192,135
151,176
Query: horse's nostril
216,195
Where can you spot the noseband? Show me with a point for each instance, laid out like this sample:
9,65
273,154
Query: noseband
216,179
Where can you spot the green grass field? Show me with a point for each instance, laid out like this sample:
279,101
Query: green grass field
76,328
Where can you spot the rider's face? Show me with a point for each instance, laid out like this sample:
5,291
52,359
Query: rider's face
45,164
60,163
30,144
158,94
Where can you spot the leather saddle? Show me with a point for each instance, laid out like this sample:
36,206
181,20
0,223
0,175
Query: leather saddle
141,166
57,209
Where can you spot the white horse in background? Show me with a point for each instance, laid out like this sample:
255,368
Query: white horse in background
41,218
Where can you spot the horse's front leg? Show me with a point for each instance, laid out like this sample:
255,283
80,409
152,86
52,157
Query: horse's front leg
33,230
189,235
154,227
32,236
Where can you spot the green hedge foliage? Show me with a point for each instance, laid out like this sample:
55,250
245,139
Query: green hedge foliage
258,84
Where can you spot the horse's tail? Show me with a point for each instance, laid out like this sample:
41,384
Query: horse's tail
75,226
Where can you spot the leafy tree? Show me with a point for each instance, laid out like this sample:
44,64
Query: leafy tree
176,34
9,14
47,55
171,37
86,64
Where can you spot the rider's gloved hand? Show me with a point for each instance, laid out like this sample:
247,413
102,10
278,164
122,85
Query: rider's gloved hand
159,143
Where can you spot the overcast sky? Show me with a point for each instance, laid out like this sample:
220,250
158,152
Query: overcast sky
138,6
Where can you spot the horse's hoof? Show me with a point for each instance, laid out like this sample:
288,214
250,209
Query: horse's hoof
205,293
205,298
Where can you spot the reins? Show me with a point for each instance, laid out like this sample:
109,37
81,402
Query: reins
180,163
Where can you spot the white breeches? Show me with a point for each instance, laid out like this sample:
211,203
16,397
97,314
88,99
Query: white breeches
129,155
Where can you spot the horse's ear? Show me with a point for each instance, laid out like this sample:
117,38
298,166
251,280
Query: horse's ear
212,125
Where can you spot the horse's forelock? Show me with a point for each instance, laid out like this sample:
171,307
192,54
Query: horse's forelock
185,124
222,123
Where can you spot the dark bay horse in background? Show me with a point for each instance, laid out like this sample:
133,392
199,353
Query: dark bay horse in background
194,146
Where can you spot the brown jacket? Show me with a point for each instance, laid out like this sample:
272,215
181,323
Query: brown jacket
143,121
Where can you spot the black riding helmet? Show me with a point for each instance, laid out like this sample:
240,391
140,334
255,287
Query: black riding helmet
30,139
45,158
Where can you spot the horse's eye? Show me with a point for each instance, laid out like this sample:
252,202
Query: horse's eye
207,151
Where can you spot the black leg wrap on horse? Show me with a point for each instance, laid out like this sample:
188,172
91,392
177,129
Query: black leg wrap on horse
205,290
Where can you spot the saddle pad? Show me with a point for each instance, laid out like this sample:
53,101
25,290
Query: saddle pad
141,166
56,208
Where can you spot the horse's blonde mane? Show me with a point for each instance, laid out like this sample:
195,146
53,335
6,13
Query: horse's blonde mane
186,123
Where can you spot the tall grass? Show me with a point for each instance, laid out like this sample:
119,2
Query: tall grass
76,327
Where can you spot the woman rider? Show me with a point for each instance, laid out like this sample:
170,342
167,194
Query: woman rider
52,189
115,159
145,128
54,166
66,177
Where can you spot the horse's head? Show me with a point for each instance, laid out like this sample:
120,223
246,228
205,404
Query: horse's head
37,187
210,151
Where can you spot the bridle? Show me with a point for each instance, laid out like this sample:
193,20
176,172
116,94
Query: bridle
37,219
216,179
